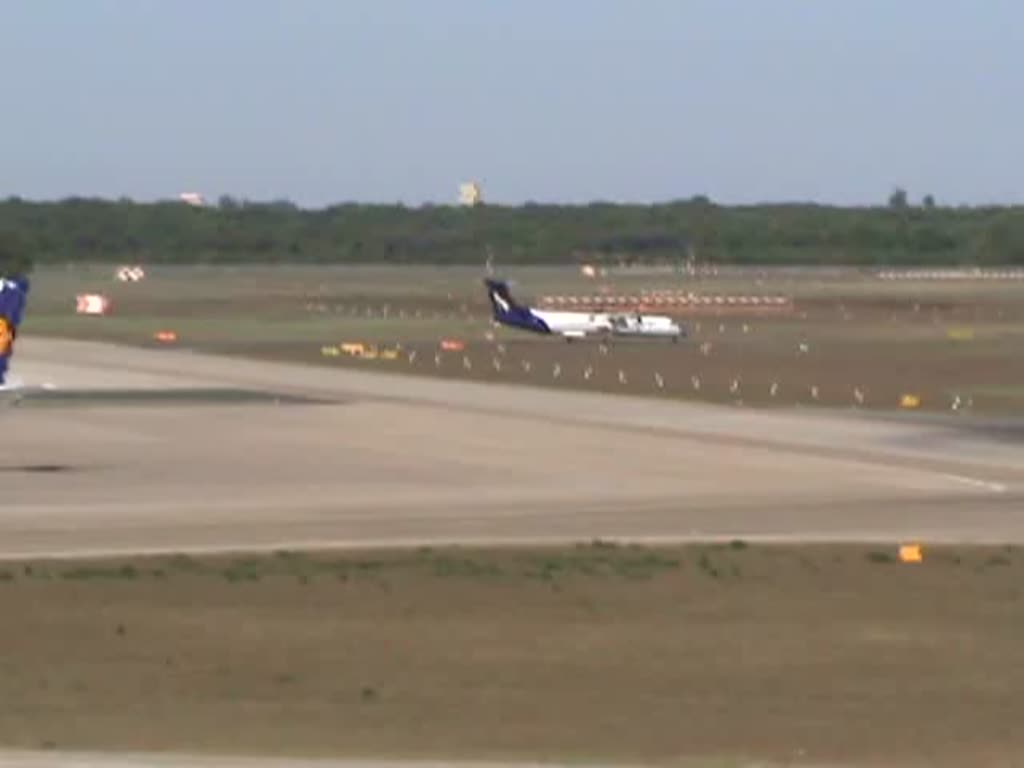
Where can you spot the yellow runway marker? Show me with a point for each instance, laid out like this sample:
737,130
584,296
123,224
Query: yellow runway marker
911,553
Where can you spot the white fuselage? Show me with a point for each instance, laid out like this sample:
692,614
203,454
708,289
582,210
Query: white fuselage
574,323
577,324
644,325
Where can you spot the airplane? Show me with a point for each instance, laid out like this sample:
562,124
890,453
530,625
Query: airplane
576,325
13,296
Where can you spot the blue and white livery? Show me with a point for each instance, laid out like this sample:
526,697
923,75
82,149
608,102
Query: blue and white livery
13,297
576,325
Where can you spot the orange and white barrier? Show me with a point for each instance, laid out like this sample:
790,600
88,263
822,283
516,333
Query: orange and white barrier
668,301
951,274
130,274
92,304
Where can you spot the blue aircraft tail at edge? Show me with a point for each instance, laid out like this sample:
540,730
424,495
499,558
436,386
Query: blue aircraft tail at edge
13,297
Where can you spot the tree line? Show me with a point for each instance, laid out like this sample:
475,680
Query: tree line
698,230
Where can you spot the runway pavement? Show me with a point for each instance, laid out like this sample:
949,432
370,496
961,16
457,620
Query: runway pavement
51,759
397,460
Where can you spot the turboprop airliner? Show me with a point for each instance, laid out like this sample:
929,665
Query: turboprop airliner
576,325
13,296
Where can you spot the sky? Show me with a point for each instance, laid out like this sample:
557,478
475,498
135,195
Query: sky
572,101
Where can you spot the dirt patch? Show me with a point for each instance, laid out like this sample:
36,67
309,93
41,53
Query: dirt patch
812,654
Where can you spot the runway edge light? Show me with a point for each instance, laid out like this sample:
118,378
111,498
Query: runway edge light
911,553
910,401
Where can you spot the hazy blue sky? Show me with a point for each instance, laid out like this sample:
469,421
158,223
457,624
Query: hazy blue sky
571,100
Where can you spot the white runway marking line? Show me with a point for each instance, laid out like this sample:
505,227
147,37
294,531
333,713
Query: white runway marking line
895,475
987,485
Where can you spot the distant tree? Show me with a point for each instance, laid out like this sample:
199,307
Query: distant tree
1003,238
898,199
237,231
928,202
14,256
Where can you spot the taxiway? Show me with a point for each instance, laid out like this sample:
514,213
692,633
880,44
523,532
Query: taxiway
393,460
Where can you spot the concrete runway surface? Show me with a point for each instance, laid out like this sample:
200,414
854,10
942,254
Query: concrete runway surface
398,460
19,759
393,460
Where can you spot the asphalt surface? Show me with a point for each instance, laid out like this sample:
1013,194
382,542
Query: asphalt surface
379,460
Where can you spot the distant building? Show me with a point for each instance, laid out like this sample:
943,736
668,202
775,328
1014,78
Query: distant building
191,198
469,194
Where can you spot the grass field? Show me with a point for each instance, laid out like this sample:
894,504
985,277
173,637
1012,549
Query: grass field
851,339
794,655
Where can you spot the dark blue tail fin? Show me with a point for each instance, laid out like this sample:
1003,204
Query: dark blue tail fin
507,311
504,306
13,296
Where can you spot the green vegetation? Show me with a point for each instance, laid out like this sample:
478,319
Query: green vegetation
598,560
15,254
90,230
85,573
